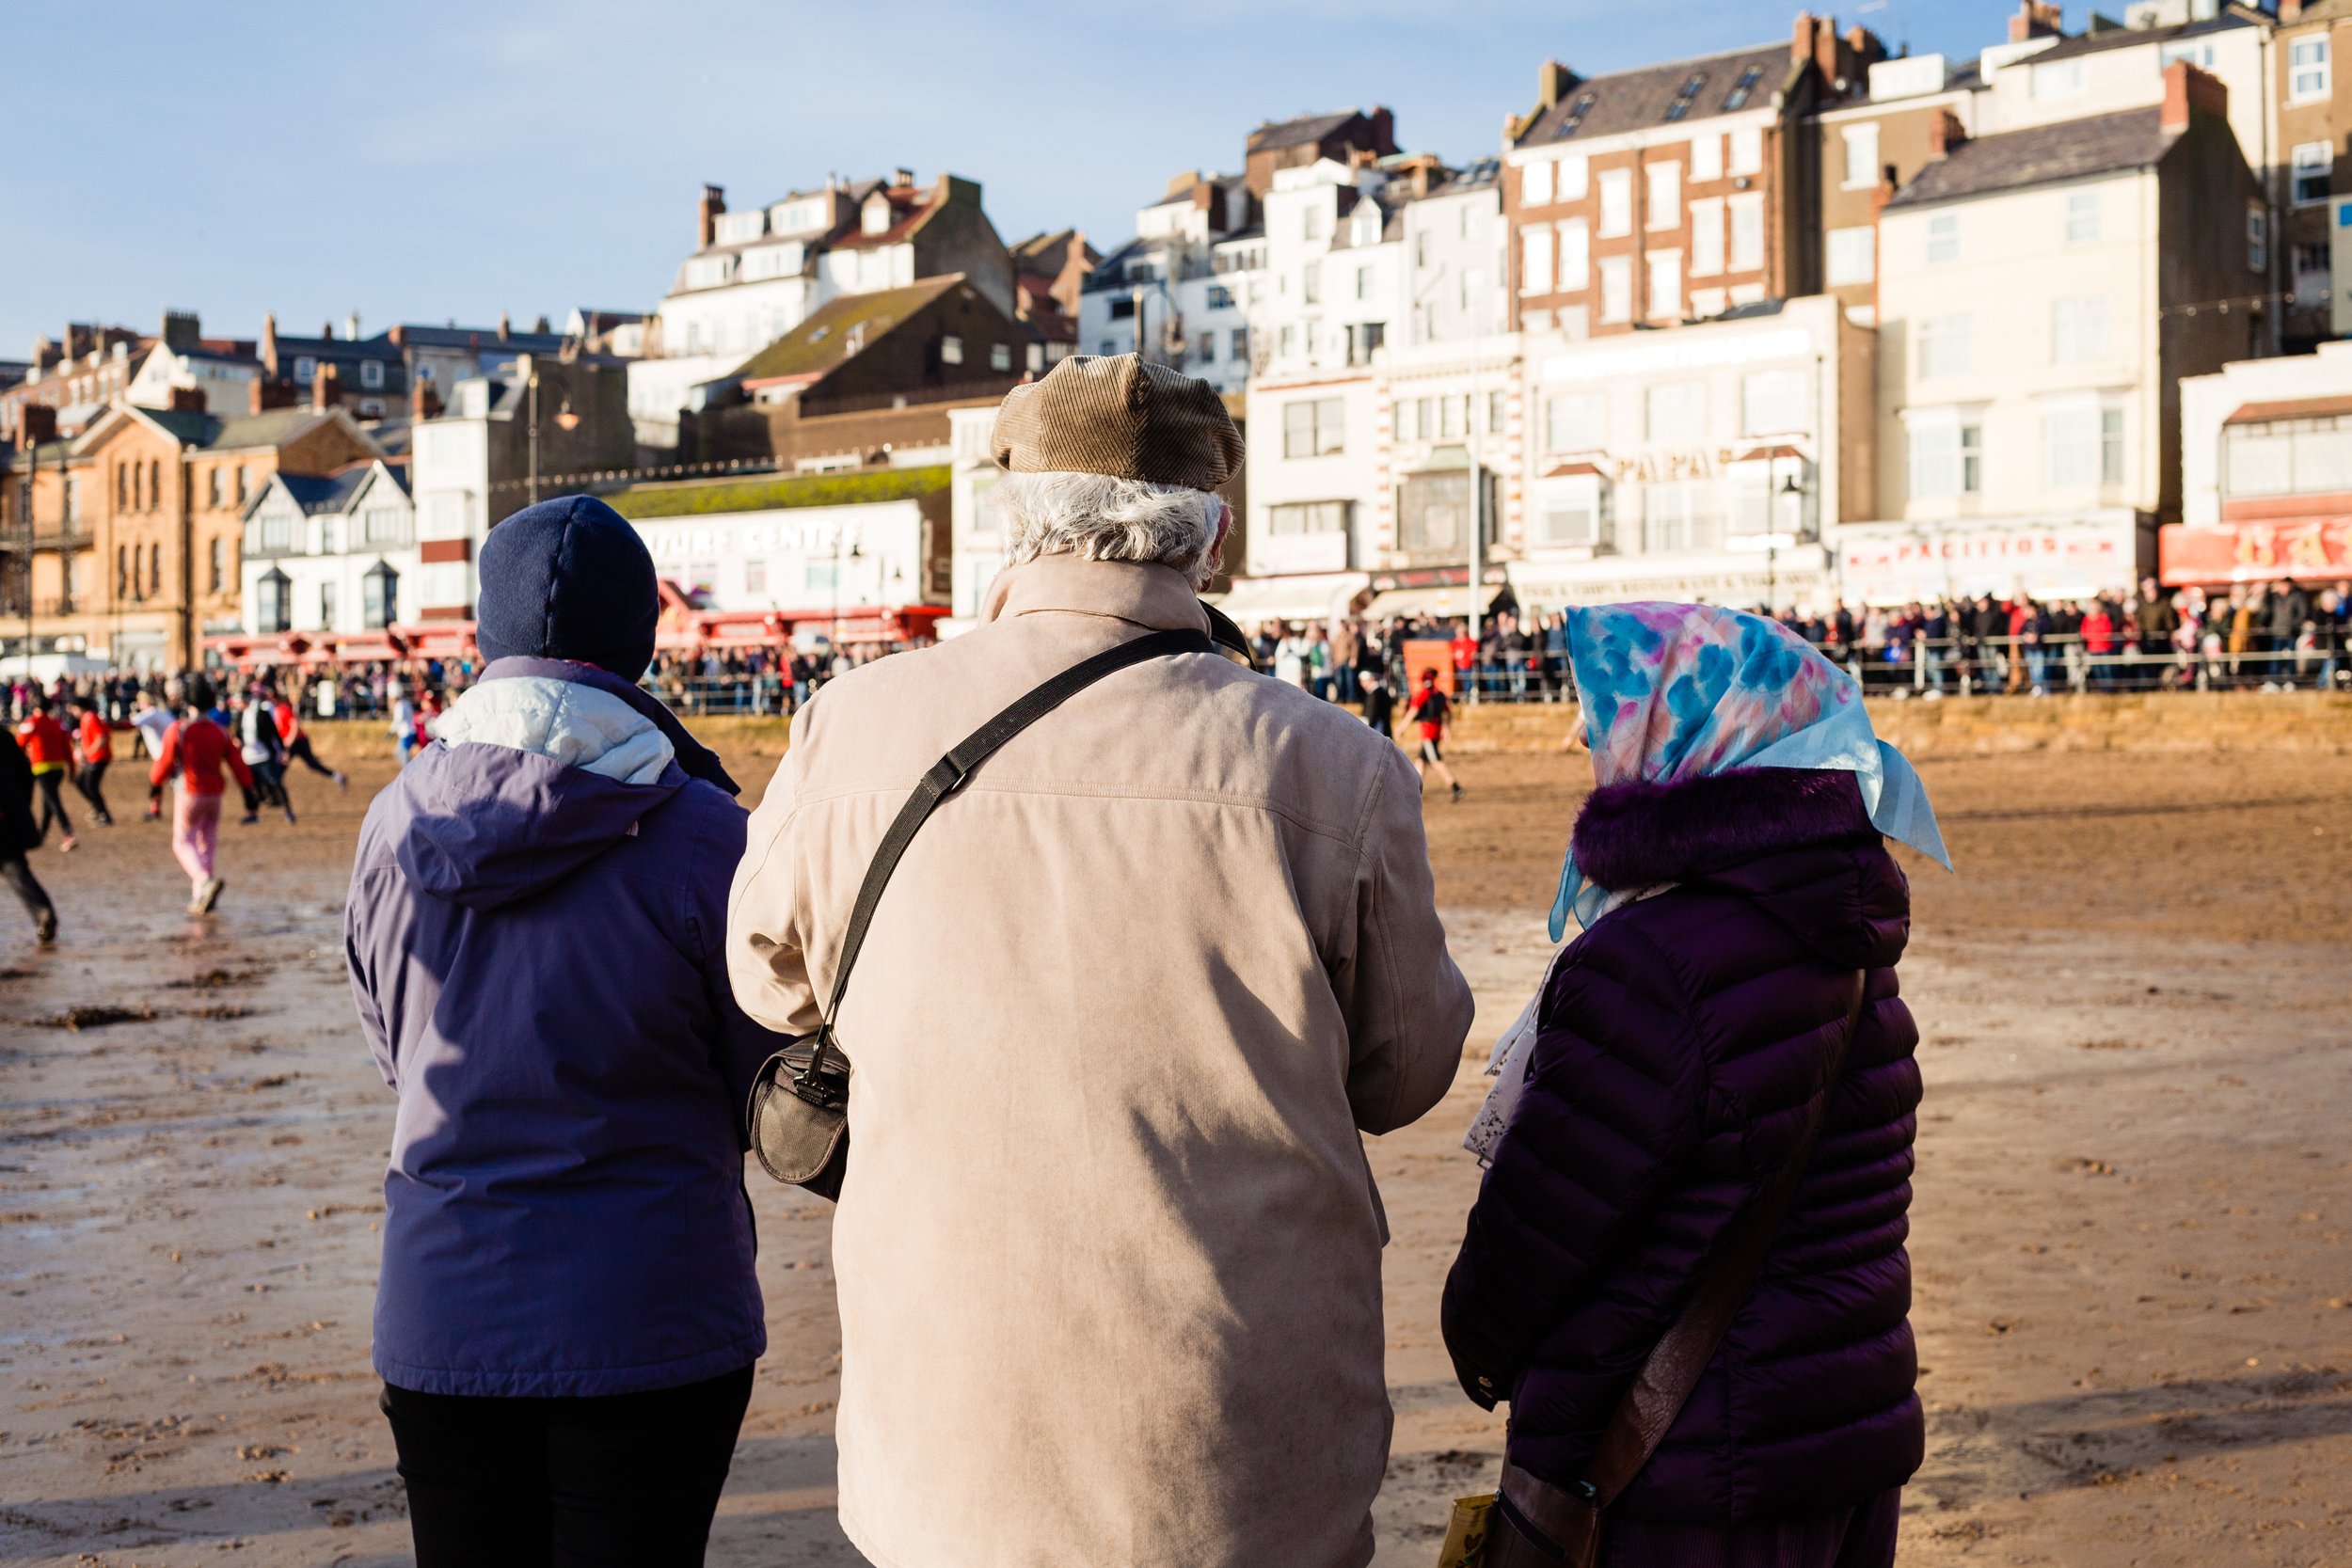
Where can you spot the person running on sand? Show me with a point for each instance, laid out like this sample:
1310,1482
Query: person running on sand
197,750
265,754
20,835
297,741
95,742
1433,710
151,719
49,751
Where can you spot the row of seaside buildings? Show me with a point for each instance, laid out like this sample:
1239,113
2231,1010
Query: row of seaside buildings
1788,324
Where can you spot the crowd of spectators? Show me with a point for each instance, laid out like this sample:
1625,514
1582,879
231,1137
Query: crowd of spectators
2270,637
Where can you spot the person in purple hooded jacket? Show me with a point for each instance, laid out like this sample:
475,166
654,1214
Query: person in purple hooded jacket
567,1316
1732,877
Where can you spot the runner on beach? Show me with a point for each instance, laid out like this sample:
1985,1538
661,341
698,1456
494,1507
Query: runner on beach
49,751
265,754
152,719
1433,710
198,748
298,742
95,741
19,836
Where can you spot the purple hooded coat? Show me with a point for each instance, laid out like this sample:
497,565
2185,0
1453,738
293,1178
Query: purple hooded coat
1676,1046
535,951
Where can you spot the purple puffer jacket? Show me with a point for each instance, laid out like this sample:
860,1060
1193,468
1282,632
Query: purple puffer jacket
1678,1045
535,952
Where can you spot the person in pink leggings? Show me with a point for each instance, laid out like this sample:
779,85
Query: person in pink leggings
199,750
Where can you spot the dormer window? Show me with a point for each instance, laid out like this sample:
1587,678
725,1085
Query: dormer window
875,218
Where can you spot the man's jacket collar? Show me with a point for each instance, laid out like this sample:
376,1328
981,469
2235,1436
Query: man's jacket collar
1147,596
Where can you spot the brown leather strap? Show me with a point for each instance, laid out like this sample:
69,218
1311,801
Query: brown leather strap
1672,1373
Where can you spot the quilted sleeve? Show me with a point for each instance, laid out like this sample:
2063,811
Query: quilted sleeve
1612,1111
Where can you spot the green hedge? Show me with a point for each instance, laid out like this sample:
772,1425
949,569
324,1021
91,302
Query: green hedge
756,494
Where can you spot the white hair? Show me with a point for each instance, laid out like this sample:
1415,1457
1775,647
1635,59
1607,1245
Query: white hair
1099,517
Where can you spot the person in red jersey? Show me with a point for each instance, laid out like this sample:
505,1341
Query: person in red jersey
49,750
94,742
198,749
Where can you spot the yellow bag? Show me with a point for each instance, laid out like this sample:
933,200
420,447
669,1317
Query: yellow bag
1466,1532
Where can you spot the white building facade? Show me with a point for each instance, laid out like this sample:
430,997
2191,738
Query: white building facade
1701,463
330,556
2265,473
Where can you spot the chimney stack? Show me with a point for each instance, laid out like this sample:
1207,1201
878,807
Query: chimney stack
2188,90
1945,132
351,327
1383,130
324,391
41,424
902,178
2035,18
506,326
269,345
180,330
326,332
706,213
1804,47
187,400
1553,82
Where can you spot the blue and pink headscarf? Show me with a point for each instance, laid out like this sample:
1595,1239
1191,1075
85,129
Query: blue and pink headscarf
1676,691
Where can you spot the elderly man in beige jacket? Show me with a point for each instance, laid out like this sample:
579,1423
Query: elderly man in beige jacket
1108,1248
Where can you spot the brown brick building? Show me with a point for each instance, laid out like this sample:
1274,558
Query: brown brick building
1675,191
135,523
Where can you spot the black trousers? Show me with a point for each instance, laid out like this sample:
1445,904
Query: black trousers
21,881
51,809
626,1480
91,782
300,751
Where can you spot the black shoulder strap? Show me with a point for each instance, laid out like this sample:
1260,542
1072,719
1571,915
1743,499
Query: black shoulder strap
949,774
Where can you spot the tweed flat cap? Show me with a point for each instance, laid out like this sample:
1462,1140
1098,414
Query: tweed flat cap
1117,415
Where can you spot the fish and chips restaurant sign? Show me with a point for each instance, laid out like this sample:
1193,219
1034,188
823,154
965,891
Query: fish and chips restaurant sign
1893,563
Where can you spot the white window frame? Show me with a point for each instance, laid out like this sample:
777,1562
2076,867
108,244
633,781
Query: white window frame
1616,287
2072,427
2081,330
2307,160
1943,238
2310,75
1706,237
1707,157
1945,455
1745,215
1944,347
1573,179
1617,203
2083,216
1582,501
2052,80
1851,255
1536,182
1573,262
1535,249
1744,153
1661,284
1862,171
1661,195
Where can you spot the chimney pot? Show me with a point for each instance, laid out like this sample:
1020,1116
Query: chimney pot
351,327
1553,82
254,401
187,400
506,328
2035,18
1944,133
327,331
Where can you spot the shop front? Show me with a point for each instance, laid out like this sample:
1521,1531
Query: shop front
1798,575
1891,564
2311,550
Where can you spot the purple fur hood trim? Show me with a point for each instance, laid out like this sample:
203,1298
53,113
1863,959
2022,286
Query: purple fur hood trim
1637,834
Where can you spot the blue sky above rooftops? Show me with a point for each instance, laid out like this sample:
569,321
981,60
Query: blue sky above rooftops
432,160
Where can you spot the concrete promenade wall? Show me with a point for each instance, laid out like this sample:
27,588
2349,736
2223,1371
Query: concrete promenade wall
2303,721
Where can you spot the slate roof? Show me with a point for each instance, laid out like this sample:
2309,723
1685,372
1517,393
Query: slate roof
2126,38
1704,87
822,340
2070,149
211,431
481,338
1302,132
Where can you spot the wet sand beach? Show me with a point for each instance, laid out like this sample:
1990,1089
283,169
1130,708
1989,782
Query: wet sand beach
2132,1234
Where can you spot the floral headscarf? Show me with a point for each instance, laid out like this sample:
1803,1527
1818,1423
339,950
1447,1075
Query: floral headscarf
1674,691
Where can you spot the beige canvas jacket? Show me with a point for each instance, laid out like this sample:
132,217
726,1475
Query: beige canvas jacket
1109,1253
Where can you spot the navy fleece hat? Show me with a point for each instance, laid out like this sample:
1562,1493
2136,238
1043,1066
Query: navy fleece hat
569,579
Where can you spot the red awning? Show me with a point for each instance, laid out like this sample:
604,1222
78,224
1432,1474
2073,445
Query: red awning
2295,408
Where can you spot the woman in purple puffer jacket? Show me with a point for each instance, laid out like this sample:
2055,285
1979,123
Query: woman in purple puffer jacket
1732,876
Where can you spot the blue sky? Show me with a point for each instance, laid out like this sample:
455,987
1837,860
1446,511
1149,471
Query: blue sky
426,160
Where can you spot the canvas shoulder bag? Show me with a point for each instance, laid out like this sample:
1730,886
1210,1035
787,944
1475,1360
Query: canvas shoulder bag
1567,1524
800,1107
